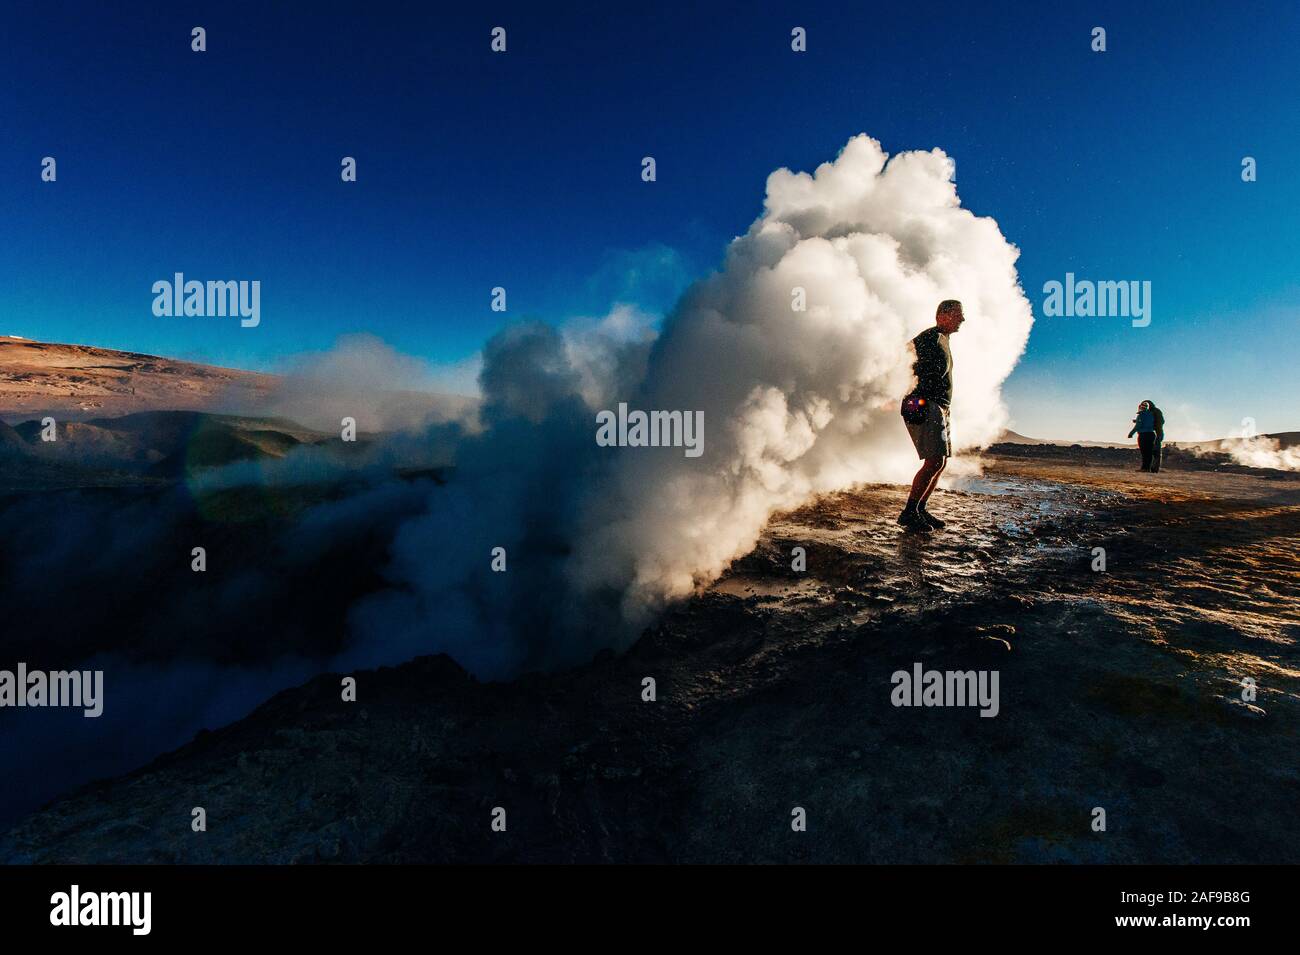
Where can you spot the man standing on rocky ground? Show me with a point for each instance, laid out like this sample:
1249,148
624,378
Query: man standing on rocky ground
925,412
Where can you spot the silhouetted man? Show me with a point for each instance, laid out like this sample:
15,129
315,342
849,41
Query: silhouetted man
925,412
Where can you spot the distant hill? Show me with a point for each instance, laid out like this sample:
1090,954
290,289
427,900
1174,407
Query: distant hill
85,383
1011,437
163,444
74,382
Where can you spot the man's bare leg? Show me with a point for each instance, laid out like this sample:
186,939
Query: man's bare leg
930,519
915,514
926,478
936,465
922,485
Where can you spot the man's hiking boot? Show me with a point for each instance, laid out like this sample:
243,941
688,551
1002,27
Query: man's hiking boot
930,519
913,520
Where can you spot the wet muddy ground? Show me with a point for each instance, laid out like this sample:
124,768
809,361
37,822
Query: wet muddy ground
1120,690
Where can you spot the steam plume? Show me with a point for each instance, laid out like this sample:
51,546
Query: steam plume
795,403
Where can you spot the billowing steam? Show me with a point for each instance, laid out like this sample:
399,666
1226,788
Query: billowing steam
795,403
1262,451
380,388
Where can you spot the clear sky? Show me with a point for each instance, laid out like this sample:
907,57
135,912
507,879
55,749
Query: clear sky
523,170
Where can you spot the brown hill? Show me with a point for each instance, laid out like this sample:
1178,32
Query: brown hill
73,382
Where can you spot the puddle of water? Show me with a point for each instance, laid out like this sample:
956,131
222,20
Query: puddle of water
982,485
741,586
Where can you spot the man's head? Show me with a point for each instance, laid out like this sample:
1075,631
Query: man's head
948,316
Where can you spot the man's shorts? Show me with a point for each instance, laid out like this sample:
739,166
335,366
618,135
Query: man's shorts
931,435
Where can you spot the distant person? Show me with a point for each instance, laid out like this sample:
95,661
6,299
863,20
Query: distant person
1144,426
1160,437
925,412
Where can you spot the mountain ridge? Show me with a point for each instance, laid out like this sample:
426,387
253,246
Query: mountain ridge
76,382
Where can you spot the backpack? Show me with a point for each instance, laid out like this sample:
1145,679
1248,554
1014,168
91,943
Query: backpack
914,409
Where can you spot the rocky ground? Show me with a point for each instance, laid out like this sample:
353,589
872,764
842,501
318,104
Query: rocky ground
1118,689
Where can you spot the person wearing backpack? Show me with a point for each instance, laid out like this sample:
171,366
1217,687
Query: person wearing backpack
1144,426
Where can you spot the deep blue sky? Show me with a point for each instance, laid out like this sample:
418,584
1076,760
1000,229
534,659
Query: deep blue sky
522,170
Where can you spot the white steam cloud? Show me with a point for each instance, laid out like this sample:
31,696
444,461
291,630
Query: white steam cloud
1262,451
363,378
795,404
802,403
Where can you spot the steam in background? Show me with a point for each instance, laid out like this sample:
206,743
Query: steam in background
364,378
1262,451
